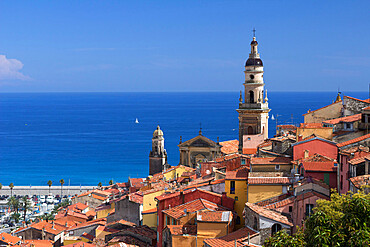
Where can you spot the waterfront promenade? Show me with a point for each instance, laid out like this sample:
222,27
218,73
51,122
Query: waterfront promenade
44,190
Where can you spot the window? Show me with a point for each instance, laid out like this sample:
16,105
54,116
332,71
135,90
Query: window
277,167
309,208
251,97
236,198
251,76
290,209
243,161
275,228
232,187
255,223
238,220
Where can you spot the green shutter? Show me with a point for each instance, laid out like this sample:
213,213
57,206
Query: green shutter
327,178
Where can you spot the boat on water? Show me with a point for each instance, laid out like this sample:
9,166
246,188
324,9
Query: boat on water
137,121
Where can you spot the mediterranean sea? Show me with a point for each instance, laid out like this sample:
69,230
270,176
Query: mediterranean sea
87,138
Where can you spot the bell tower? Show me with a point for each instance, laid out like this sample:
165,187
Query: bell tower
158,155
253,109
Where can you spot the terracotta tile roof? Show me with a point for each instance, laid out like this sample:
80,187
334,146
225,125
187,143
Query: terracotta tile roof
287,126
101,221
365,101
229,157
87,236
357,151
38,243
150,211
348,119
191,207
106,229
359,160
91,213
359,181
177,193
218,216
273,200
136,182
64,221
49,227
144,230
121,222
319,166
9,239
268,180
182,229
270,214
249,150
312,126
309,180
229,147
127,241
270,161
80,244
239,174
358,139
77,206
366,108
101,198
281,203
240,236
136,197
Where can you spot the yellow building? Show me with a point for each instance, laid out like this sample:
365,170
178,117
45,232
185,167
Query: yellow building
263,188
150,207
104,210
236,188
317,129
176,172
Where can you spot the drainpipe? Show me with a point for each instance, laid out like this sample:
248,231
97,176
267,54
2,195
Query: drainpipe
338,176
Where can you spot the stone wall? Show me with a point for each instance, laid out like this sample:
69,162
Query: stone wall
126,210
44,190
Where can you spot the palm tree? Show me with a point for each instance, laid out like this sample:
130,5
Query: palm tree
50,183
26,206
15,217
1,186
61,187
100,184
11,186
13,203
111,182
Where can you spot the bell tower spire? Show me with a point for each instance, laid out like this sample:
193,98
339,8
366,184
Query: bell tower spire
253,111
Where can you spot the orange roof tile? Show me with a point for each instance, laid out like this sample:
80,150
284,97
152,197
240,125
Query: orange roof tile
9,239
319,166
365,101
240,237
249,150
191,207
218,216
358,139
268,180
38,243
348,119
182,229
77,206
267,213
101,221
49,227
281,203
121,222
270,161
91,213
80,244
229,147
137,182
359,181
239,174
287,126
359,160
312,126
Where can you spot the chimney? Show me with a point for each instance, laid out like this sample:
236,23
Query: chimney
300,138
182,196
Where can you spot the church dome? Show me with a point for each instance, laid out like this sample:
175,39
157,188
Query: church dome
158,132
254,62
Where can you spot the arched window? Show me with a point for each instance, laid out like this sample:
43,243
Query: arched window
251,97
250,130
275,228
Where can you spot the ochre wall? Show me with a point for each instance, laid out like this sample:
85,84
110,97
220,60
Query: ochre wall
104,213
241,193
262,192
326,132
181,240
150,220
329,112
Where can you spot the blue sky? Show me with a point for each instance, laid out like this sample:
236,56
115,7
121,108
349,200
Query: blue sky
160,46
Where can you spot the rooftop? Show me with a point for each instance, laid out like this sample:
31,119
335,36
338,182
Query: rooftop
358,139
270,214
348,119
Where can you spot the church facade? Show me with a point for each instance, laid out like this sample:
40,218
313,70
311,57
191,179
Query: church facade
253,104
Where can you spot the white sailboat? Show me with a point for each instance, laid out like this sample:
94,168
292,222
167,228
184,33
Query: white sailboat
137,121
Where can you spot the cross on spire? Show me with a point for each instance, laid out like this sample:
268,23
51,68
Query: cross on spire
254,32
200,128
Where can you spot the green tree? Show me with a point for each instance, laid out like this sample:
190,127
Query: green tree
1,186
61,187
11,186
15,217
111,182
14,204
50,183
100,184
342,221
26,205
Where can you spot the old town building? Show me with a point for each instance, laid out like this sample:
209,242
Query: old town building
158,155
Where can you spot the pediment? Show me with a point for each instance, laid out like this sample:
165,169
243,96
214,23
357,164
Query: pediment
199,141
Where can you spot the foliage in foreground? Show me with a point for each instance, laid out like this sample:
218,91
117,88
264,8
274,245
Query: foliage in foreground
342,221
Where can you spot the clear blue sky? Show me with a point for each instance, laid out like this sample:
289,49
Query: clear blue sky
97,46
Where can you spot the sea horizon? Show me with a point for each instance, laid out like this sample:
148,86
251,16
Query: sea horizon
91,137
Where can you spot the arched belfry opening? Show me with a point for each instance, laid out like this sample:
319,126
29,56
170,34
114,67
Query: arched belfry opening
250,130
251,97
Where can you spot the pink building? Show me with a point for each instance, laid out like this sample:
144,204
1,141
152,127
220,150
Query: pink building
314,145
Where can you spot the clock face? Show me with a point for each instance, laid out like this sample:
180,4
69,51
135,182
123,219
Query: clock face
251,76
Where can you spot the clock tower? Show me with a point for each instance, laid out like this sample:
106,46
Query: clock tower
253,104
